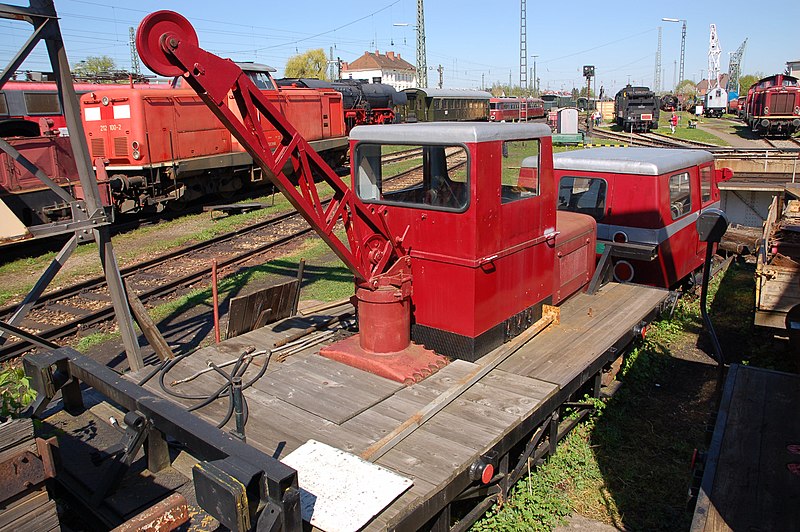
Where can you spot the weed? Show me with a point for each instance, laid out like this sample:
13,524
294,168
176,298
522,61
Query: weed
15,391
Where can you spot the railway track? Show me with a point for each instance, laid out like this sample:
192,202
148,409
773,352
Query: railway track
787,144
61,313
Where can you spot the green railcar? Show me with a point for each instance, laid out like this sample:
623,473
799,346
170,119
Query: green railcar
444,105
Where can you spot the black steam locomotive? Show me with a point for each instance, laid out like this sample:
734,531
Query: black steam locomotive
636,109
363,102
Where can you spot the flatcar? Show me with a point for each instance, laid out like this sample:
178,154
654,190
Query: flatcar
773,106
444,105
31,201
167,147
636,109
364,103
646,202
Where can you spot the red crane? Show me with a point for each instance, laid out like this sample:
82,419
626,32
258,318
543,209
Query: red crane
169,46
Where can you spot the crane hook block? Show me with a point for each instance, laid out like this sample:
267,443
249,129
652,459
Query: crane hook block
152,29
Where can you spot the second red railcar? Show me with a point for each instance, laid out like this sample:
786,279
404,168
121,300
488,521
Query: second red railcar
647,200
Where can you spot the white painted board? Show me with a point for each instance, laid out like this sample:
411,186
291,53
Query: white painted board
340,492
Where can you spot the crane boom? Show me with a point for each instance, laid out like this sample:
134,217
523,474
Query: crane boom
168,45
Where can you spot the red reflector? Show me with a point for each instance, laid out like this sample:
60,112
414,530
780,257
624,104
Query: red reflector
647,117
488,473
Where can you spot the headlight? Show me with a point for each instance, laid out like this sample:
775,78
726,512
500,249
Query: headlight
105,100
766,110
137,155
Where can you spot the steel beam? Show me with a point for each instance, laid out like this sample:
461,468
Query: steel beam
224,457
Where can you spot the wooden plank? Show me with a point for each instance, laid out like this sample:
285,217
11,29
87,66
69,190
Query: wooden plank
149,328
22,506
748,484
276,301
565,354
488,364
333,392
44,517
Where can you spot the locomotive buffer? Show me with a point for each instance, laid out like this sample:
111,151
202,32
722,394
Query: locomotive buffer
459,255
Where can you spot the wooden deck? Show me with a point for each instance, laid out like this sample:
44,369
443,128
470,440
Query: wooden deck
310,397
752,474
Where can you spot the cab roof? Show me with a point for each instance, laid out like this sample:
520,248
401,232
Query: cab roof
447,132
637,161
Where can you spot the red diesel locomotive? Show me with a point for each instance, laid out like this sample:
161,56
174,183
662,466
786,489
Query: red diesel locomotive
646,202
773,106
32,108
167,146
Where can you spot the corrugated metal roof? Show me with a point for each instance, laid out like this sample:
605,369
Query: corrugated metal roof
638,161
447,132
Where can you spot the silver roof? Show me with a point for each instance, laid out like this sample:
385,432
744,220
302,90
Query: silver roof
447,132
639,161
452,93
249,66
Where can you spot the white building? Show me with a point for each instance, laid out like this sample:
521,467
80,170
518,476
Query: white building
793,68
390,69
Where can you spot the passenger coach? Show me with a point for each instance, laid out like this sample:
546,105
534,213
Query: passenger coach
646,201
445,105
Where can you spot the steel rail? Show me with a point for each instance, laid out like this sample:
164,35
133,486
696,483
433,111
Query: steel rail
15,349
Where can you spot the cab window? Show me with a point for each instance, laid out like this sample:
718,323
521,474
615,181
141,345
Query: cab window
519,181
705,183
261,80
680,198
586,195
431,176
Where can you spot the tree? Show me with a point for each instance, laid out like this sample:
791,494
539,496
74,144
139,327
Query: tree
93,65
310,64
745,82
686,90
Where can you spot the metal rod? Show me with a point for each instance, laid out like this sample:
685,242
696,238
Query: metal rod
703,296
215,296
238,407
301,267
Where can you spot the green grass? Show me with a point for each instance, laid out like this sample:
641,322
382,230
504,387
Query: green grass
132,246
682,131
326,279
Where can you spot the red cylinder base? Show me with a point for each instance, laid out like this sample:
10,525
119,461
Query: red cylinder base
408,366
384,320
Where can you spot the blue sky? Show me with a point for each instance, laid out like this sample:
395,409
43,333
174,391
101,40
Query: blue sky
475,42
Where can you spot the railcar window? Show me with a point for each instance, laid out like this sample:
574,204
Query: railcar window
3,104
413,175
519,182
705,184
585,195
42,103
680,198
261,80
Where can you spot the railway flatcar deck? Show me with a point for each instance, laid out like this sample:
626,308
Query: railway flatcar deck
308,397
751,477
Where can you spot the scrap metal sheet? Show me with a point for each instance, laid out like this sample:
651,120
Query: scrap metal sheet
340,492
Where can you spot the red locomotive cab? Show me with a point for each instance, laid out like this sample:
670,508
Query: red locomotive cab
646,202
473,216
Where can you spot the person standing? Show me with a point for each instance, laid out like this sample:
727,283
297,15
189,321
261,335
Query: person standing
673,122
